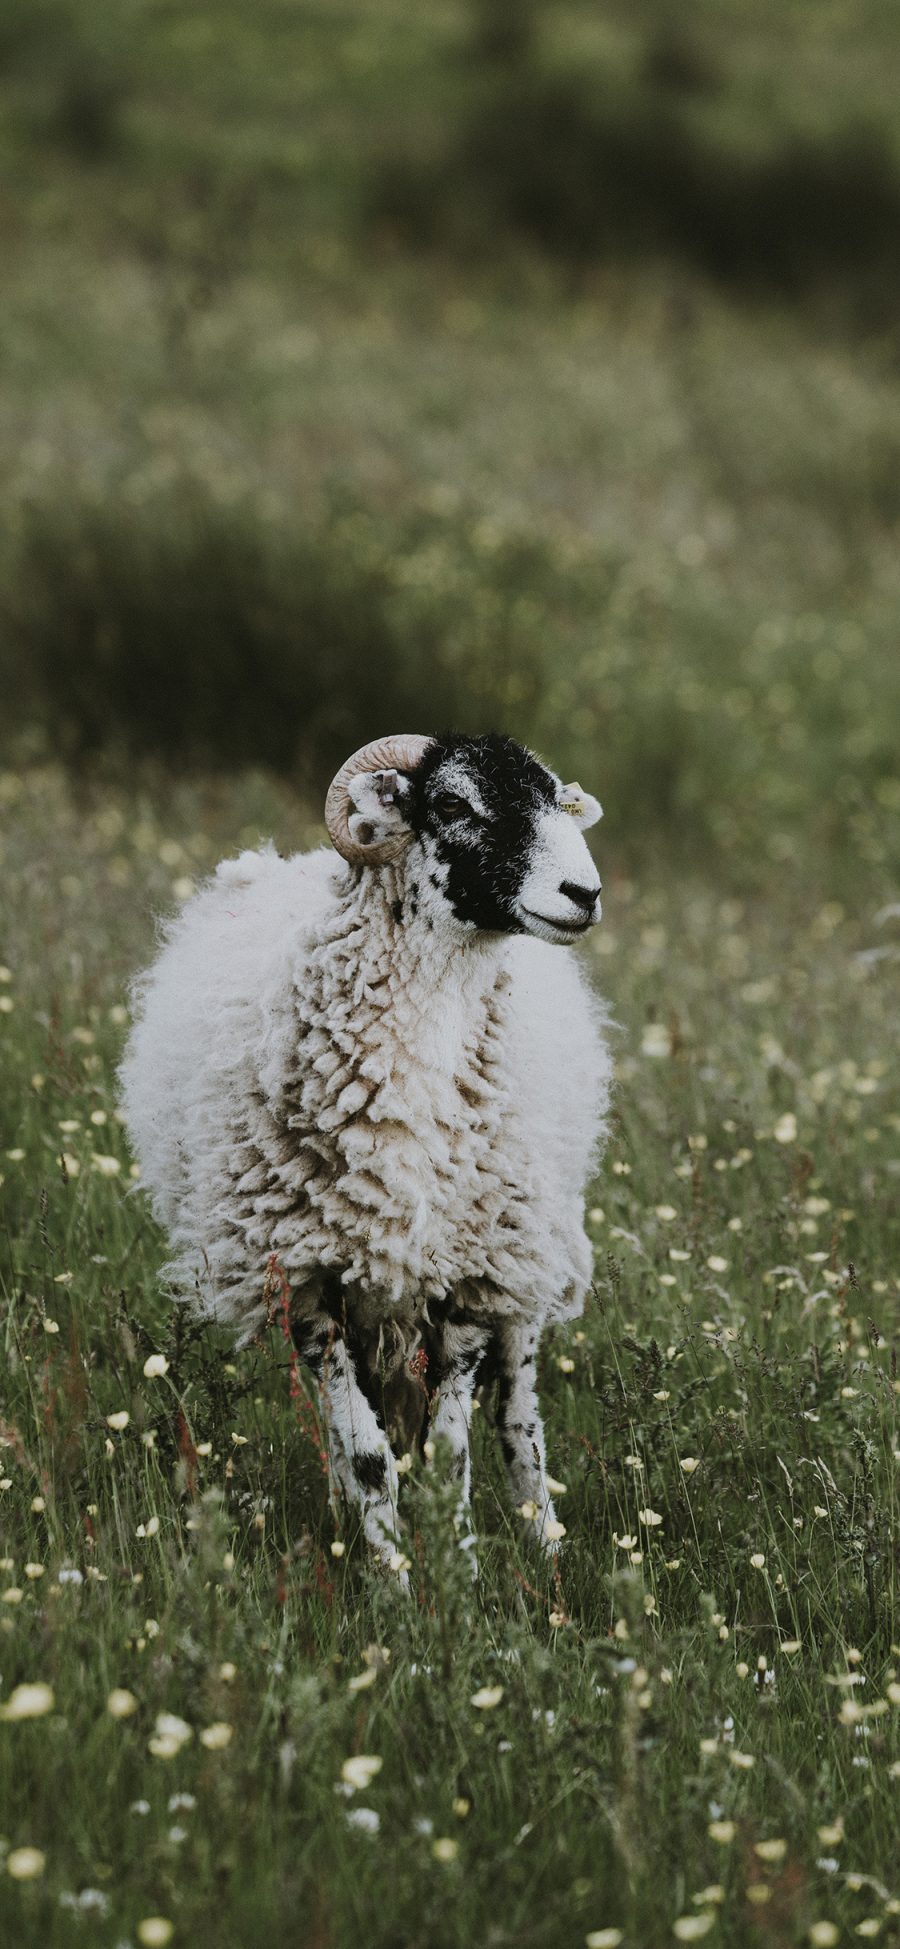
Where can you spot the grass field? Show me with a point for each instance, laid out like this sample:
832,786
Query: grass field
692,1722
648,520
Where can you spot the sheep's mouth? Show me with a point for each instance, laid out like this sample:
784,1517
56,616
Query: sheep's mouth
551,928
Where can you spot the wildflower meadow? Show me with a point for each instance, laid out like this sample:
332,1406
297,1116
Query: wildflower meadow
219,1723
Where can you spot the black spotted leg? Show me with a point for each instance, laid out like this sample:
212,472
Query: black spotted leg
358,1448
522,1430
462,1348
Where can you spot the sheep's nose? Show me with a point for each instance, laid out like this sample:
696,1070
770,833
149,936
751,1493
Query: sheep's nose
585,897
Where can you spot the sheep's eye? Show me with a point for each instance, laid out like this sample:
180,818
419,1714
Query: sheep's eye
450,806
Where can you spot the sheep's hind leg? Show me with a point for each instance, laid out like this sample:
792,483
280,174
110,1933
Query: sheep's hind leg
522,1431
359,1449
462,1348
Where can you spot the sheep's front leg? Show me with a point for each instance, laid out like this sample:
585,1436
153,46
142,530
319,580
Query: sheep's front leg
462,1348
522,1430
365,1465
359,1450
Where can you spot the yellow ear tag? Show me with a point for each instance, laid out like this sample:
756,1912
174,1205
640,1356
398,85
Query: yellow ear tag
573,801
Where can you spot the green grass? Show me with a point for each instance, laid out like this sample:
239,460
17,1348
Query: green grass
652,532
724,1327
664,552
657,535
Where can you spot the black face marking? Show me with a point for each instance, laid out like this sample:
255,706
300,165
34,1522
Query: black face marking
484,841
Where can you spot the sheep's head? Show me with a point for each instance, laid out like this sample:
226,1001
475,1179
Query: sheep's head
493,839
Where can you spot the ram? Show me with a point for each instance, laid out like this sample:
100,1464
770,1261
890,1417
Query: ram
371,1067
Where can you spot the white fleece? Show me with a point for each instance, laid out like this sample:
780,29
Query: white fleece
417,1110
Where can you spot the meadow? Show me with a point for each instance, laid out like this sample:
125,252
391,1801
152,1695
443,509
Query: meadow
280,460
691,1722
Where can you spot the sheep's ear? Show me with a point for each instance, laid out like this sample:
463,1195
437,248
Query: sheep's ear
580,805
377,798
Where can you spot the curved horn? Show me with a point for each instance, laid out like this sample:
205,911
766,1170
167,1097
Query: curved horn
400,753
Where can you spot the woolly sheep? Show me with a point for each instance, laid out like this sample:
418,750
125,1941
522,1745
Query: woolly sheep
370,1071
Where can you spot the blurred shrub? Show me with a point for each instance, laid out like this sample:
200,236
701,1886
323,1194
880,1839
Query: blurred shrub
589,171
84,115
675,59
177,629
193,633
503,30
70,73
28,28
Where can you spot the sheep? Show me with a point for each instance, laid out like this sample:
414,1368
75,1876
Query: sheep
366,1068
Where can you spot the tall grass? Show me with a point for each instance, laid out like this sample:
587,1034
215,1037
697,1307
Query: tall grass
692,1718
182,630
271,482
194,634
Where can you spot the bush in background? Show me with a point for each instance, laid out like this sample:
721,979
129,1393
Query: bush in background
592,171
189,633
181,630
71,74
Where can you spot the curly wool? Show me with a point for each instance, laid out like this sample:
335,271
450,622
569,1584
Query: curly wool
311,1077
